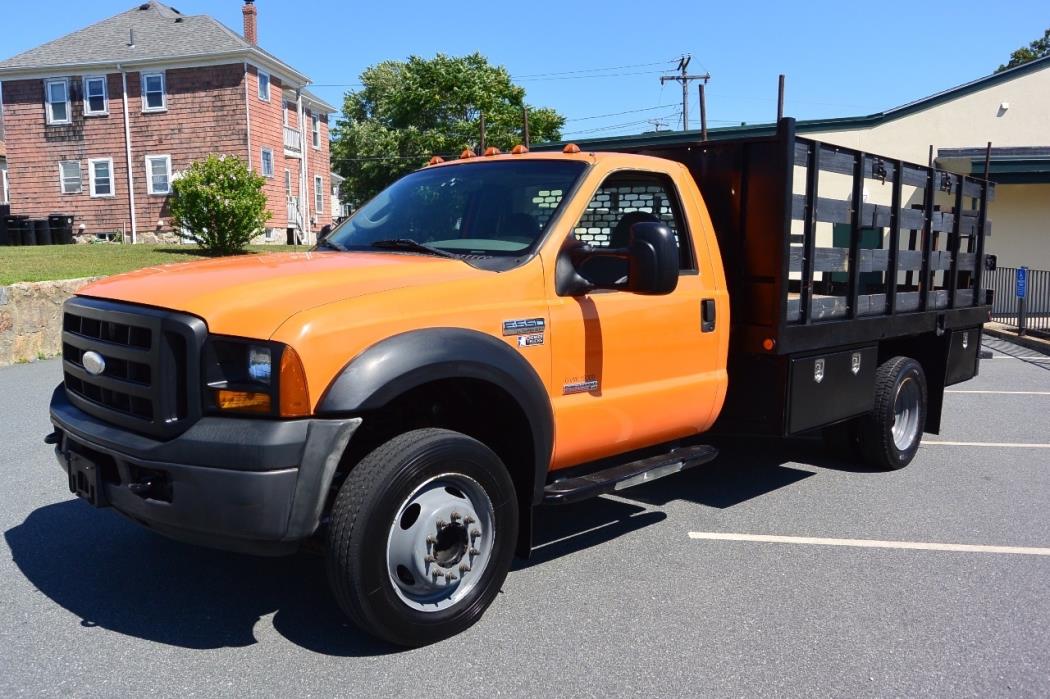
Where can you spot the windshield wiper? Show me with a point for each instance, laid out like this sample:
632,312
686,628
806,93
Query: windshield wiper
330,244
410,245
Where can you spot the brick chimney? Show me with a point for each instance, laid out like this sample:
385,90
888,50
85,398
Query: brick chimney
251,28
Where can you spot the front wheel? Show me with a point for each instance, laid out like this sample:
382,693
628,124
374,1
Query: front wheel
890,434
422,536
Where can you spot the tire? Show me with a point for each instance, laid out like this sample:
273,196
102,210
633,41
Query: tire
891,433
422,536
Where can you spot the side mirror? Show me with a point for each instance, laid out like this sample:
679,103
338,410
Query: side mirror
652,258
648,265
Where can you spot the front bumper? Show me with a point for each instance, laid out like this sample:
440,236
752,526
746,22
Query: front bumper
255,486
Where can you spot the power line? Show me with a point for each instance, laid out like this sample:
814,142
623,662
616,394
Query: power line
597,70
629,111
684,78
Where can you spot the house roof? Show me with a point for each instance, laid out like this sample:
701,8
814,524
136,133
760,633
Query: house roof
148,33
657,138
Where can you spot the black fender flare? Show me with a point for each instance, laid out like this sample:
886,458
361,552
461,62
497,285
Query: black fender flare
397,364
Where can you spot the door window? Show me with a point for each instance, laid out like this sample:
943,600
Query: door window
624,199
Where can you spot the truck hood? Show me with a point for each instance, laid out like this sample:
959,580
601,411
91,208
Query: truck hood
251,296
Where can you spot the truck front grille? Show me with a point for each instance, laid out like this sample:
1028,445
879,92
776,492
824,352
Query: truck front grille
150,366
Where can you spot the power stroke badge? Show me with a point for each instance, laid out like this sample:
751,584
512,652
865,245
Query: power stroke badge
525,326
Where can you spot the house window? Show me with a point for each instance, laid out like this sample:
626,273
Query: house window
69,176
101,176
315,126
158,174
267,162
288,182
264,86
96,101
287,113
154,98
57,92
318,194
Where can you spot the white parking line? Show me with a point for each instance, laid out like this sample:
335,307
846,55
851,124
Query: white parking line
1005,393
1001,445
869,543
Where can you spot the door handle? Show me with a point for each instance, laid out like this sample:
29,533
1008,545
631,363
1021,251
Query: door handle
707,315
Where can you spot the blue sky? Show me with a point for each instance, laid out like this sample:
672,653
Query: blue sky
840,58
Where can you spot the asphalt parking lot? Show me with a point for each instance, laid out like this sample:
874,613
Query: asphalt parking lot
662,591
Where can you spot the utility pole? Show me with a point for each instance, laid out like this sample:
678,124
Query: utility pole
684,78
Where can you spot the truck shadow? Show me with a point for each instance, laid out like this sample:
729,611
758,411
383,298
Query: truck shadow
116,576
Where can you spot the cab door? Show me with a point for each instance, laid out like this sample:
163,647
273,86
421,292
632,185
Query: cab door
632,370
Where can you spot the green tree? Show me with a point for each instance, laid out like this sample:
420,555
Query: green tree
1025,54
219,204
408,111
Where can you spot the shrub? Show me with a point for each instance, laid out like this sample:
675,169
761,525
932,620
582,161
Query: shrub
219,204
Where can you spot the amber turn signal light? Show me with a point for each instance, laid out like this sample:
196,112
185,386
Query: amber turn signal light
295,395
242,401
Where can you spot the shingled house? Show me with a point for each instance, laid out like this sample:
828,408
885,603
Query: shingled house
99,121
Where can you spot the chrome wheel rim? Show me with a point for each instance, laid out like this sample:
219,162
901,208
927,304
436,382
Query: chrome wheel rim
440,542
906,425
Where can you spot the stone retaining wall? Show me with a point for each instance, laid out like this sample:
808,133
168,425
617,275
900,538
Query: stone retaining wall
31,319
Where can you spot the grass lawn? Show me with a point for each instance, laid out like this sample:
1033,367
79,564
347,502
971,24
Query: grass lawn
48,262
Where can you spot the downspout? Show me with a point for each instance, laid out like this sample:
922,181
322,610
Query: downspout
304,198
127,149
248,117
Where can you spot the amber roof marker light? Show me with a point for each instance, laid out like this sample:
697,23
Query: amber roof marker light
519,150
491,151
467,153
570,148
436,160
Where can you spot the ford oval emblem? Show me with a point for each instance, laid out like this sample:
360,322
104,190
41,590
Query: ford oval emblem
94,363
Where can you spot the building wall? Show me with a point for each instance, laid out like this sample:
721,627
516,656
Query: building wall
205,114
1020,214
319,164
267,131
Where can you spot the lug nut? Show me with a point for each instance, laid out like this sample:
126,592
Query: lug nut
431,540
474,551
429,559
475,533
468,520
449,577
454,516
464,568
441,524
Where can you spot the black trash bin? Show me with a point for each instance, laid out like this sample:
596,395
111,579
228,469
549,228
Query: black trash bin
29,232
61,228
16,225
43,232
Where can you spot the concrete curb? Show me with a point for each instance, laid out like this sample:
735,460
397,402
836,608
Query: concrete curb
1032,343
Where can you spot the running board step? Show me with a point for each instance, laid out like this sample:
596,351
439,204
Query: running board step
568,490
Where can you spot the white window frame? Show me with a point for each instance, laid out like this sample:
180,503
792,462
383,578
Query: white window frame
143,79
94,184
62,177
262,162
48,104
149,174
286,107
315,130
318,194
266,97
288,182
88,79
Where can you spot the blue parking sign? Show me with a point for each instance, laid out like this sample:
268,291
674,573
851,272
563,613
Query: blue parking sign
1022,282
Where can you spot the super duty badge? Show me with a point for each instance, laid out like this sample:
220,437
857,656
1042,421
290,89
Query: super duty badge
525,326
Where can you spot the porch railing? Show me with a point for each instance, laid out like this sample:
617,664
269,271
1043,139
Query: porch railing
293,140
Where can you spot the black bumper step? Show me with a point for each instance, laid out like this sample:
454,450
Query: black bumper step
568,490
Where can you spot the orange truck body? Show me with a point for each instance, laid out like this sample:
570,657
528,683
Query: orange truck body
660,378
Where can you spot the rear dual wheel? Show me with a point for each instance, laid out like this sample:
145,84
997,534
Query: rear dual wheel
422,536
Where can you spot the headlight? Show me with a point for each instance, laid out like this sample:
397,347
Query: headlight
239,377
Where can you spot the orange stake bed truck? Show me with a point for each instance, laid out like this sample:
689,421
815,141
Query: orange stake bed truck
509,330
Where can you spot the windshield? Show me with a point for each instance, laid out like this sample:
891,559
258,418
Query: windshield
484,208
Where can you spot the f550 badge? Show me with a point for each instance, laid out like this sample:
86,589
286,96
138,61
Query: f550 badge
530,340
525,326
